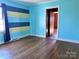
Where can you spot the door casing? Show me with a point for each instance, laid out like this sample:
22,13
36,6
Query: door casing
57,22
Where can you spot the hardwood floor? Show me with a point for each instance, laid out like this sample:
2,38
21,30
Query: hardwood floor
67,50
39,48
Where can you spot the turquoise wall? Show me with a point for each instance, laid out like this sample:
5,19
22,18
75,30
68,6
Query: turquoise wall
40,17
1,37
68,19
33,19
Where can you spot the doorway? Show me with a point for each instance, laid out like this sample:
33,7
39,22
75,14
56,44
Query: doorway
52,22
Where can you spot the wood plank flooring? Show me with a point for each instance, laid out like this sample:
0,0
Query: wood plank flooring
67,50
39,48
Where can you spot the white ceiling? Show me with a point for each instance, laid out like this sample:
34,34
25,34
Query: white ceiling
36,1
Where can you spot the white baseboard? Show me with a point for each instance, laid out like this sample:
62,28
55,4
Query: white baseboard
38,35
61,39
28,35
68,40
20,37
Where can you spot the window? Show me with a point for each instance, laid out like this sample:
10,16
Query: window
2,27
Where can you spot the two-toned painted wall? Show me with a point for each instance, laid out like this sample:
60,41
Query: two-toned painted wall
16,17
68,19
19,21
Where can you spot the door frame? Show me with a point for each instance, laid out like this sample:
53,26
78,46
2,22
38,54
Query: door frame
57,22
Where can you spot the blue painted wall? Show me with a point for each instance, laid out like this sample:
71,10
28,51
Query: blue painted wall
40,17
68,19
1,37
33,19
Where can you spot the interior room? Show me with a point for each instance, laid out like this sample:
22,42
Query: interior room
39,29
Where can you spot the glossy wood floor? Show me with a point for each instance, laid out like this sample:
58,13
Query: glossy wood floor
39,48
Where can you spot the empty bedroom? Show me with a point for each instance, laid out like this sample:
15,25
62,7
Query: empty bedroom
39,29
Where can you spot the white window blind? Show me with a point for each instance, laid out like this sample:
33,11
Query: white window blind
2,27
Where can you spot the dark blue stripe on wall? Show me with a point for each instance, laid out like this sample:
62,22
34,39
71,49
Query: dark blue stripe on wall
7,33
10,8
11,25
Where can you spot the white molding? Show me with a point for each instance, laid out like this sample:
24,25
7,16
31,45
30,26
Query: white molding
20,37
28,35
38,35
50,7
46,2
61,39
68,40
58,17
55,12
39,2
23,36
